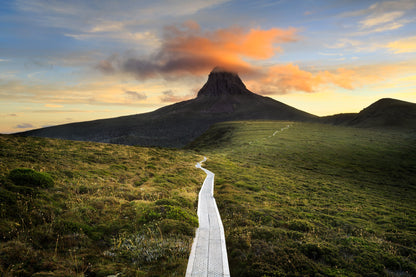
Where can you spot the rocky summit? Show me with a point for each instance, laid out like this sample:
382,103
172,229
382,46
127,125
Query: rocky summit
222,82
224,97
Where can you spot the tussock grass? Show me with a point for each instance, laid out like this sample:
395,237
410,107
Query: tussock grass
314,200
90,209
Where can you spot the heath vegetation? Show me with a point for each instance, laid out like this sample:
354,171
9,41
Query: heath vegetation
296,199
92,209
301,199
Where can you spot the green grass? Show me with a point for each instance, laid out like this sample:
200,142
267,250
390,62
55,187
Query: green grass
314,200
90,209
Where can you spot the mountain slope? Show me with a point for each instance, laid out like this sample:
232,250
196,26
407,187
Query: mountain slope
314,199
385,113
224,97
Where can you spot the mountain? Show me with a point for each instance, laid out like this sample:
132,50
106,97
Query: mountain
224,97
385,113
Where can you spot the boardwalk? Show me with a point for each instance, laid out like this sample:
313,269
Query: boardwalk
209,254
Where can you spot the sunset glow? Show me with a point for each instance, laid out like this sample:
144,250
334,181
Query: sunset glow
69,61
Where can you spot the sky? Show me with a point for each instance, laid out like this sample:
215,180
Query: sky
69,61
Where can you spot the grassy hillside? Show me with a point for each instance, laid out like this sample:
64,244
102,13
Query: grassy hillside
385,113
314,200
76,208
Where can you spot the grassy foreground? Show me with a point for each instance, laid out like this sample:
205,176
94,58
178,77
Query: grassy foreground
314,200
89,209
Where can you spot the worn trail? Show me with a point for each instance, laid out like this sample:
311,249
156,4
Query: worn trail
209,254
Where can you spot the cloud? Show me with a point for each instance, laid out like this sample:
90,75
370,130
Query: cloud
170,97
383,16
380,8
53,106
106,26
283,79
134,95
189,50
80,11
105,66
380,19
109,20
93,92
405,45
24,126
62,111
345,43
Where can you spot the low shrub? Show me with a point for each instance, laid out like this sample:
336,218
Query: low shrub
20,258
69,226
7,197
300,225
167,211
30,178
171,226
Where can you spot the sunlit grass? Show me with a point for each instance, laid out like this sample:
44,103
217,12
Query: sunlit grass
314,200
112,209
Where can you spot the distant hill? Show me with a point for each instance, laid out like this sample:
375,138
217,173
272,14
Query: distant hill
385,113
224,97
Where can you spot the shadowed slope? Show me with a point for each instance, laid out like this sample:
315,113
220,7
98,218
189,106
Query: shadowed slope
385,113
223,98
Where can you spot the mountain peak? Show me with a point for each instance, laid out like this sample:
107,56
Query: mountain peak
223,82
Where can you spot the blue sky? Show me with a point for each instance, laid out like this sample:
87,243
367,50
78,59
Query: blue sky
68,61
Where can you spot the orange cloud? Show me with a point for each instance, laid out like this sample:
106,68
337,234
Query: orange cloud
188,49
232,43
282,79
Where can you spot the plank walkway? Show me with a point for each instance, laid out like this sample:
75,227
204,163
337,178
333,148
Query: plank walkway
209,254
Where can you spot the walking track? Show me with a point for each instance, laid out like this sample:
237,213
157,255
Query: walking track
209,254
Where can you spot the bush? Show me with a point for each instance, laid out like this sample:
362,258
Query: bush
172,226
166,211
300,225
166,201
7,197
69,225
19,257
29,178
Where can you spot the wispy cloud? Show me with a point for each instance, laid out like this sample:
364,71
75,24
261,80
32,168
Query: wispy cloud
56,95
344,43
383,16
380,19
170,97
404,45
382,7
331,54
53,106
106,19
135,96
23,126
